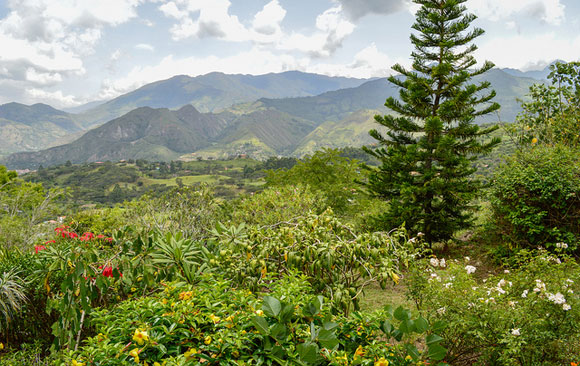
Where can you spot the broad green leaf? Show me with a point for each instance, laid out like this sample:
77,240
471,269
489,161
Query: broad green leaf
308,352
421,325
436,352
261,325
271,306
402,314
433,338
327,339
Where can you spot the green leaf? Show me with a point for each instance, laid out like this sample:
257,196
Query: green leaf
402,314
286,313
271,306
432,339
330,325
407,326
327,339
421,325
279,331
261,325
436,352
412,351
387,327
308,352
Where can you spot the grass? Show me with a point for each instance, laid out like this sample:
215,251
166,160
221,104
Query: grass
376,298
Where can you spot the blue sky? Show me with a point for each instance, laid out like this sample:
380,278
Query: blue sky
69,52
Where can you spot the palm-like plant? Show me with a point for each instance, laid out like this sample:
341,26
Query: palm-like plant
12,297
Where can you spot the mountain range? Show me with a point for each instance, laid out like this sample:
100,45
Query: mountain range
218,115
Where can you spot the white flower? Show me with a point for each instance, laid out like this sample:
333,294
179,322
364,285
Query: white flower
441,311
500,290
412,240
420,234
448,284
566,307
525,293
470,269
516,331
569,281
562,245
557,299
442,263
434,262
501,283
467,259
512,303
506,271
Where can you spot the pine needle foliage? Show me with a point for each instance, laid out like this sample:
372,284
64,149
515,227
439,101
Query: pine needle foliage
427,154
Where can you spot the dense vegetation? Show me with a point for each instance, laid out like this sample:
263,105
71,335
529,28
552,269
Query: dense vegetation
299,272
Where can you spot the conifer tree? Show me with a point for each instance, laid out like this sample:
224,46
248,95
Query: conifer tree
431,142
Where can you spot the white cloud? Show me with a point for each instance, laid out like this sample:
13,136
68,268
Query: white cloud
267,21
523,51
144,47
356,9
333,28
56,98
45,41
367,63
204,18
549,11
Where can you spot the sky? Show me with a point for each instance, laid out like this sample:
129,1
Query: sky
69,52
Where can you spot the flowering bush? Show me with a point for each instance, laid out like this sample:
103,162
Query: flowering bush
215,324
529,316
536,198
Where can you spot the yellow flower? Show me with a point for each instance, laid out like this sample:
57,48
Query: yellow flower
133,289
395,278
359,352
1,346
140,337
408,358
259,312
76,363
534,140
382,362
214,318
135,354
186,295
207,340
156,364
190,352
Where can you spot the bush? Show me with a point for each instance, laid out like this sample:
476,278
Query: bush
276,205
536,198
338,261
216,324
529,316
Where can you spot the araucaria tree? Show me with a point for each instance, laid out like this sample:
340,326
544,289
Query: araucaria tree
431,142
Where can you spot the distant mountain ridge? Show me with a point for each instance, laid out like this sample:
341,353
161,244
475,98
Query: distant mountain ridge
216,91
266,127
34,127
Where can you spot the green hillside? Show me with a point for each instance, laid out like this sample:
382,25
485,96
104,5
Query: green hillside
35,127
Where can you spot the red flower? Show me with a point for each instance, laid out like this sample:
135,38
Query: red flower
88,236
73,235
110,240
100,236
50,242
38,248
108,271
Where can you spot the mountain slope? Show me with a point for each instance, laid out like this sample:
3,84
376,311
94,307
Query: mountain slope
215,91
34,127
336,105
144,133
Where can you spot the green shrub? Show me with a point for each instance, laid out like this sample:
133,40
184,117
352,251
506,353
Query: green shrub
338,261
529,316
215,324
536,198
276,205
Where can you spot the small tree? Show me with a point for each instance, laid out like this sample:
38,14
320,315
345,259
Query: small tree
427,155
552,116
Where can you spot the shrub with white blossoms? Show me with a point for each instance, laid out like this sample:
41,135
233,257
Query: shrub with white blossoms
528,315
